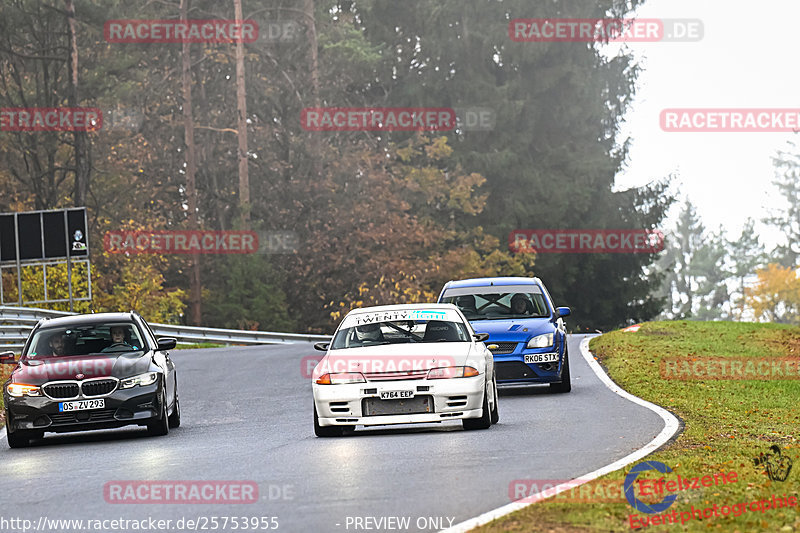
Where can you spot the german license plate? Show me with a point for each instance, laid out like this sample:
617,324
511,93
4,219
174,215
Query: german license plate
81,405
541,358
396,394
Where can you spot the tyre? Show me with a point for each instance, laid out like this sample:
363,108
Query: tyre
160,426
18,439
495,411
564,385
485,420
174,419
327,431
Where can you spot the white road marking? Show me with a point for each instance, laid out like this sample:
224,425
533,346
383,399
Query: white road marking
671,426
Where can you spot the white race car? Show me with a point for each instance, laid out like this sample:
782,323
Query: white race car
404,364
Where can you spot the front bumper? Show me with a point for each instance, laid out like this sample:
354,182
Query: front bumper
442,399
512,368
137,405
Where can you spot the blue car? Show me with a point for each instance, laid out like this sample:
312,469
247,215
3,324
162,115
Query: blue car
526,331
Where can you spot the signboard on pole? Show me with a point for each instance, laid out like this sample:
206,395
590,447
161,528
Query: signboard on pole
44,238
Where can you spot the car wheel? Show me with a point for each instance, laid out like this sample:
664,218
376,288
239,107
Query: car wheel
174,420
564,385
485,420
327,431
160,426
495,411
18,439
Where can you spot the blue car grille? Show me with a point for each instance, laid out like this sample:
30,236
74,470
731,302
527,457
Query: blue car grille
503,347
513,370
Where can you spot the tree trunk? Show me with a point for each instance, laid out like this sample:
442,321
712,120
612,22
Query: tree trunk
82,166
191,170
313,68
241,105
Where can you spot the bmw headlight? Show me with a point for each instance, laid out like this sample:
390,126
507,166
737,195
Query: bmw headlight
541,341
21,389
141,380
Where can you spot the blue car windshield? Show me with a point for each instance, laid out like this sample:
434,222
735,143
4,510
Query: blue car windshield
499,305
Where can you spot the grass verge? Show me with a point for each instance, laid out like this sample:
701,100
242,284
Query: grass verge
728,424
198,346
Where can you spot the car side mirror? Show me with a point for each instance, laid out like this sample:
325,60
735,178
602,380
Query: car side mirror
322,346
7,358
481,337
563,311
167,343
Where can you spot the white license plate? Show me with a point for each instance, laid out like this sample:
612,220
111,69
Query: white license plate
541,358
81,405
396,394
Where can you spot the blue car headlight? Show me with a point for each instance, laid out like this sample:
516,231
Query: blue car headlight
541,341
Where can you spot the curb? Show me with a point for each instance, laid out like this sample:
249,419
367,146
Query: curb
671,426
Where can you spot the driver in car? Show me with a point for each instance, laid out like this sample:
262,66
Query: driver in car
369,332
519,304
118,343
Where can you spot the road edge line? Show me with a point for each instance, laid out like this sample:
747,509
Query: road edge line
671,426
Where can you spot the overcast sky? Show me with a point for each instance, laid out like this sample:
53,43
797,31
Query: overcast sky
746,59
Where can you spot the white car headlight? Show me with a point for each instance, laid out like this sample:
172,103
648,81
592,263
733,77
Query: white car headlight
541,341
141,380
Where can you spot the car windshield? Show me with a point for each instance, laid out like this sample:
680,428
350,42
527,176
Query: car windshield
102,338
400,332
499,305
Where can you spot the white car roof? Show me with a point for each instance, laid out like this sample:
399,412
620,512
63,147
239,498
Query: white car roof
387,313
402,307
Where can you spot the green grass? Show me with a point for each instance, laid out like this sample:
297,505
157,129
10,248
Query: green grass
728,423
198,346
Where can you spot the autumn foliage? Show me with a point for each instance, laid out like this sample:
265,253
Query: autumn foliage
776,295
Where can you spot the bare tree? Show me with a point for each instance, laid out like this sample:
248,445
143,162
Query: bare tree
82,163
195,294
241,105
309,12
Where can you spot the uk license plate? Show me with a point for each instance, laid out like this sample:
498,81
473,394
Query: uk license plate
396,394
541,358
81,405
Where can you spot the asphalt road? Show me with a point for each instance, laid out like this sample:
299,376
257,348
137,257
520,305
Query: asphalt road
247,416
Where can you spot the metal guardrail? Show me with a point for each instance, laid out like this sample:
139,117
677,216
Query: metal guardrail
16,324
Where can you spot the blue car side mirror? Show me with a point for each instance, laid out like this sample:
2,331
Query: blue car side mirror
563,311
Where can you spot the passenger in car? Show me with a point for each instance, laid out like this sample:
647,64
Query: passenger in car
467,305
57,344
